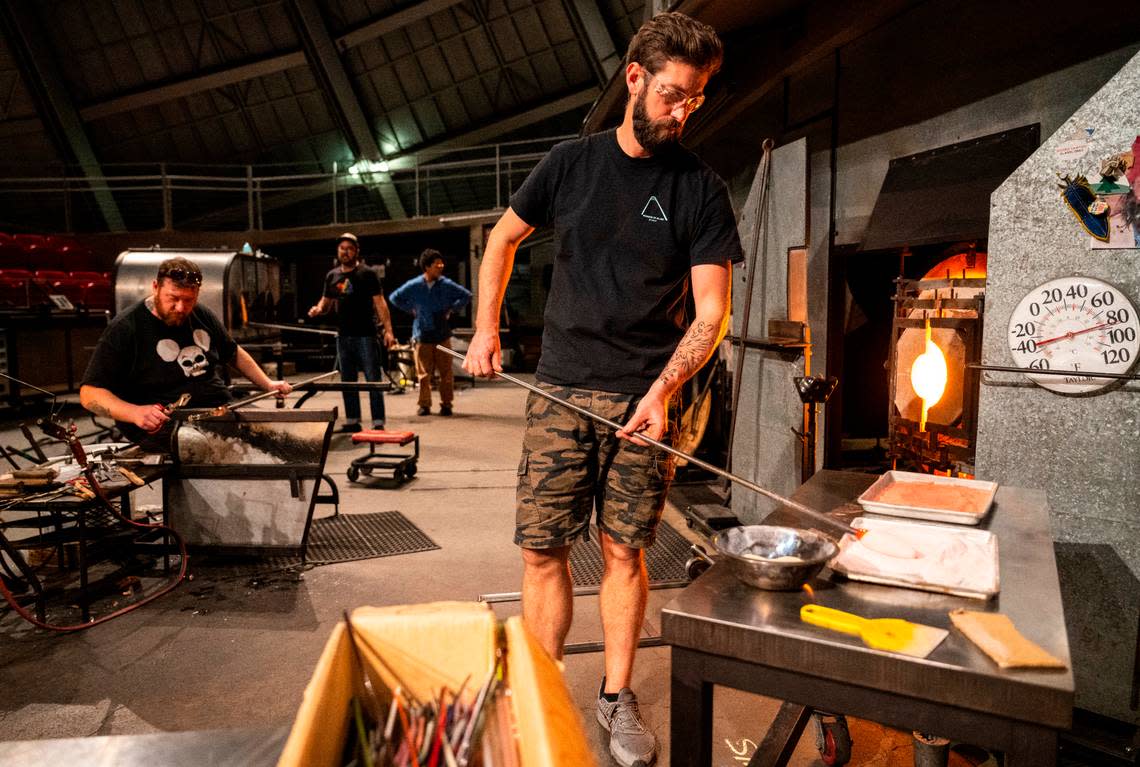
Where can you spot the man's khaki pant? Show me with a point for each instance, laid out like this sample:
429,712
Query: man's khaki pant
429,359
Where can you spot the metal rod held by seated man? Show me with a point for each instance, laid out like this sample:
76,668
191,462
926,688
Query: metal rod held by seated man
223,409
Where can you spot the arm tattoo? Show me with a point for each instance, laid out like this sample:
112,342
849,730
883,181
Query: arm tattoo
694,350
98,408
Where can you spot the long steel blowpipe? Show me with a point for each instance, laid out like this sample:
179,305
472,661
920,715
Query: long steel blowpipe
794,505
223,409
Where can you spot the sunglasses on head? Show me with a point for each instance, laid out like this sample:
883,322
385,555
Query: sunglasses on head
182,276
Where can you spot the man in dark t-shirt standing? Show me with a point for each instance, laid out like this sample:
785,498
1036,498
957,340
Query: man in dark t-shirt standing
159,349
639,222
356,292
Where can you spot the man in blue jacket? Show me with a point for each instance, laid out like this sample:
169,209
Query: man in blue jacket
431,298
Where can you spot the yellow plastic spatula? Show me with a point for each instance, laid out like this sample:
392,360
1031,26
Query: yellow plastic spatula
890,634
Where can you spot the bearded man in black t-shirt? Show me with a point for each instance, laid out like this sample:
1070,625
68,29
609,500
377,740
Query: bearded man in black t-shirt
161,348
639,222
355,290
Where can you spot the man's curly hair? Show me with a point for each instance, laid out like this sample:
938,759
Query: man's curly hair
676,37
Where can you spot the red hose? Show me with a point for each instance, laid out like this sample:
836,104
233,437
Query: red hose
89,473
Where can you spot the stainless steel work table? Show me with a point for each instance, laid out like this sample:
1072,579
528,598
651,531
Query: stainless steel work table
723,632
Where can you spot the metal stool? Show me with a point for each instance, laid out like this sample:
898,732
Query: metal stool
402,465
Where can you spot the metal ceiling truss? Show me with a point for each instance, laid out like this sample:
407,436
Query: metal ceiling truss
406,160
506,75
324,59
770,54
260,67
57,111
597,43
502,64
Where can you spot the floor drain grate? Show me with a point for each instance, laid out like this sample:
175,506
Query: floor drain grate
664,560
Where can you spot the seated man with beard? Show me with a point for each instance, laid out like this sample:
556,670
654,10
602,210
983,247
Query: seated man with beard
159,349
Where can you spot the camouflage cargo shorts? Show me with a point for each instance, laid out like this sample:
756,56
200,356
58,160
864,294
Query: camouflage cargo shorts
571,465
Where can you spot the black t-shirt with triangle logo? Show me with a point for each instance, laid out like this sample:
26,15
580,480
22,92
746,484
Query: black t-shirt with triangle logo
627,231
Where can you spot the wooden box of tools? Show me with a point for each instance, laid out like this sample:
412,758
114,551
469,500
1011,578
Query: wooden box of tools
429,646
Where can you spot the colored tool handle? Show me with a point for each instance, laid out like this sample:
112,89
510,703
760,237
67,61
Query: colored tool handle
830,618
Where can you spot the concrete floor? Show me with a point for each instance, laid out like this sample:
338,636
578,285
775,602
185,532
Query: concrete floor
232,651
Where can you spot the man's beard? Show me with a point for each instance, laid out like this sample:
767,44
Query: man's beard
168,318
653,135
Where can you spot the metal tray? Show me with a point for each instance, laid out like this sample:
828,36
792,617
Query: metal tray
955,516
986,538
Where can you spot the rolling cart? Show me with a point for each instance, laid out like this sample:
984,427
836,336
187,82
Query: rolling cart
402,465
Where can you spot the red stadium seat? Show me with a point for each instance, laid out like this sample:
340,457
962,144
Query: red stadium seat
10,253
74,256
97,295
52,275
72,288
13,293
31,244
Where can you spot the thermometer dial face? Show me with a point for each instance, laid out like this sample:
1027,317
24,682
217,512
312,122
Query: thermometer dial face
1074,323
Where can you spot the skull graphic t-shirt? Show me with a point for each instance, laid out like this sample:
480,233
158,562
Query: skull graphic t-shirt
142,360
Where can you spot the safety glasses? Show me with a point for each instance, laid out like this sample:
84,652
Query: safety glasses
674,97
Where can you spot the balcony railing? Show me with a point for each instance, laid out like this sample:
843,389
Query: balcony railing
168,196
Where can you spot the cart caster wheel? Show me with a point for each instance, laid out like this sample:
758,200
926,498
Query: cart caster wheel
366,471
398,475
410,470
832,739
695,567
353,473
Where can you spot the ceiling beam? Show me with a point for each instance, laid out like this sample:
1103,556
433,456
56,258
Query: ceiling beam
488,132
324,60
218,79
392,22
21,127
760,51
407,160
596,40
261,67
760,64
654,7
56,109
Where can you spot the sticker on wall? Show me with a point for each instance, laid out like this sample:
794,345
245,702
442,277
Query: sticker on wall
1075,147
1090,212
1119,189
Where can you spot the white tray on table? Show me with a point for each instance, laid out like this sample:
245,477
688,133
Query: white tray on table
980,581
953,515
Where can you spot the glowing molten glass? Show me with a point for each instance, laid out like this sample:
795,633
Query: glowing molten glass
928,376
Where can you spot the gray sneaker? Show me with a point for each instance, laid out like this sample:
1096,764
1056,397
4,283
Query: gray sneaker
631,742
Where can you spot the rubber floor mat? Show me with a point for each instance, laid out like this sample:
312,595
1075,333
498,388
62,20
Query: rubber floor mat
348,537
664,560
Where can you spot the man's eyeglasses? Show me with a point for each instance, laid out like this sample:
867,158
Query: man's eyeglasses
182,277
674,97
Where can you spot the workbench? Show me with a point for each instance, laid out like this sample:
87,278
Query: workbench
724,632
68,519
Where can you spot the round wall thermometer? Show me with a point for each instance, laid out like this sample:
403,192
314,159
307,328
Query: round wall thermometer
1074,323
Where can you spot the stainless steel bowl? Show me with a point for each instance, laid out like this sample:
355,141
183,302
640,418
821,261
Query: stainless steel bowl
751,552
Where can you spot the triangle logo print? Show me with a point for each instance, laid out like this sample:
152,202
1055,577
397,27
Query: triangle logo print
653,210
